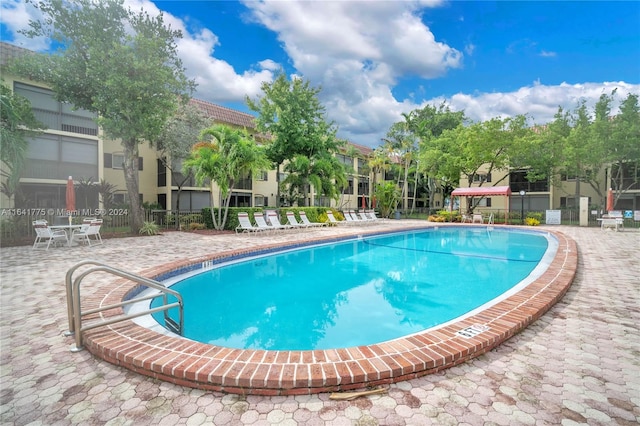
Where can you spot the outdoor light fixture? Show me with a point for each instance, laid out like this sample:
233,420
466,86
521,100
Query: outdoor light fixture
522,194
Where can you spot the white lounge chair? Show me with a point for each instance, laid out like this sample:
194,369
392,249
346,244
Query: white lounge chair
245,224
306,221
262,224
364,216
46,235
332,219
291,219
477,218
275,221
372,215
349,218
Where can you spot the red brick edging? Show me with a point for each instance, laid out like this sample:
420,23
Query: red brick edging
261,372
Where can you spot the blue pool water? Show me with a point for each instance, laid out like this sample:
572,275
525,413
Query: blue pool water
357,292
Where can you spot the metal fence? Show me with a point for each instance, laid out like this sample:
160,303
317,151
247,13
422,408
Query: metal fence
16,225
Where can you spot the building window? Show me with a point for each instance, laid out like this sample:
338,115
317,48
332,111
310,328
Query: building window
260,201
117,161
347,161
484,202
57,157
262,176
518,181
162,174
57,115
480,178
349,189
121,198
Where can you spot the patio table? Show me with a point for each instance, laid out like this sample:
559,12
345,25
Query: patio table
67,228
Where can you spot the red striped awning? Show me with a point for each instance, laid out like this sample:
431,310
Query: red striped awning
481,191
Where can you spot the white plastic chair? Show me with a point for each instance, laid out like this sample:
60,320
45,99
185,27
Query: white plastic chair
85,234
45,235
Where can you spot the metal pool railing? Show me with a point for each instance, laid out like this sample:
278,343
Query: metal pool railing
75,314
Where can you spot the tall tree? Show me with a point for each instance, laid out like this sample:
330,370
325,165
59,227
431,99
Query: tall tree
427,124
17,122
402,142
623,147
475,151
120,64
230,156
548,155
583,154
290,112
379,162
174,143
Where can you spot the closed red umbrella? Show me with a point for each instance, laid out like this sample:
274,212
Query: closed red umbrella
610,200
71,196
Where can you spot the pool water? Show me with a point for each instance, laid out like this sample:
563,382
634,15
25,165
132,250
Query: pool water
358,292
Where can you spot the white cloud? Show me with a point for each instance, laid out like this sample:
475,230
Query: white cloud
217,80
16,15
357,51
539,101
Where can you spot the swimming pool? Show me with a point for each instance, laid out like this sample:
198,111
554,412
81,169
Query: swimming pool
156,353
329,296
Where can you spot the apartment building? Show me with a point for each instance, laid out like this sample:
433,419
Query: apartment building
73,145
541,195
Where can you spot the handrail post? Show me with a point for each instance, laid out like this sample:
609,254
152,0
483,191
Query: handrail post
77,319
69,290
74,305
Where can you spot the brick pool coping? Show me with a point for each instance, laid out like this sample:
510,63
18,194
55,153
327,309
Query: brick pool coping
262,372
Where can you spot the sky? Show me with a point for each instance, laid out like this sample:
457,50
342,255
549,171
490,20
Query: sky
374,60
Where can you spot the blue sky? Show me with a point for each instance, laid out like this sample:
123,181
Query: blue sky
377,59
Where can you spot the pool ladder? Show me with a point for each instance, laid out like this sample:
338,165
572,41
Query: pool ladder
75,314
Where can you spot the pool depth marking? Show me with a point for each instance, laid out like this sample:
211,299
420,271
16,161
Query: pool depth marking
261,372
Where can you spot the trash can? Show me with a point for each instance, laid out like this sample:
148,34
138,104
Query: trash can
397,215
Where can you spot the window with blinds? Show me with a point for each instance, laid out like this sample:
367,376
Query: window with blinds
57,115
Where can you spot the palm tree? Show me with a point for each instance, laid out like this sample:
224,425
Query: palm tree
323,171
230,156
379,163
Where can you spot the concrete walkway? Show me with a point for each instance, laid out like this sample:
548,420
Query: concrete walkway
578,364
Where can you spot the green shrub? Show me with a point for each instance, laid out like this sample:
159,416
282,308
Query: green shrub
149,228
195,226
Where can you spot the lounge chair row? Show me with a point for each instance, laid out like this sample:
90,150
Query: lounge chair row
274,223
353,218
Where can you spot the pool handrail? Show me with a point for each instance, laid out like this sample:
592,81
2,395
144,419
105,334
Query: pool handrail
74,306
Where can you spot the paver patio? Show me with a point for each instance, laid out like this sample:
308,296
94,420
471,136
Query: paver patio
578,364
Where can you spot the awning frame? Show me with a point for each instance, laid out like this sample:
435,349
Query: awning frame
483,191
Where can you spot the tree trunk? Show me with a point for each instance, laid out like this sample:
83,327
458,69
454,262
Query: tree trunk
277,186
130,168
